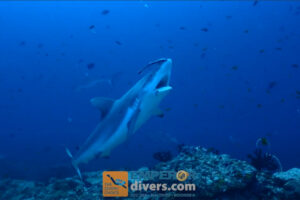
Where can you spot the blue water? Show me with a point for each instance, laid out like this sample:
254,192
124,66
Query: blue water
235,78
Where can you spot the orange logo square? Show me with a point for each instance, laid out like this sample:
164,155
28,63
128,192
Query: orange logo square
115,183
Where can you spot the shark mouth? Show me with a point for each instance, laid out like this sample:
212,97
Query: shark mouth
163,82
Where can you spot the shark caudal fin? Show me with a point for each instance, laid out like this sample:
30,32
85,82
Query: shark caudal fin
74,165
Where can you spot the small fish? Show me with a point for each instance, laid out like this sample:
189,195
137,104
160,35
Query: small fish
22,43
246,31
258,105
272,84
118,42
161,115
182,28
92,27
261,51
249,90
263,141
234,67
204,29
278,48
255,3
20,90
295,65
91,66
105,12
221,106
228,17
282,100
298,92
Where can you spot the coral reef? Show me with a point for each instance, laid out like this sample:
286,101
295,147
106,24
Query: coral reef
216,177
215,173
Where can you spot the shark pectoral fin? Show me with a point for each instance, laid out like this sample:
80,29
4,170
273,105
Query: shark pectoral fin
158,112
163,91
77,170
131,125
103,104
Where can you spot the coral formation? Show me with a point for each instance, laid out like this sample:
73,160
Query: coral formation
216,177
264,161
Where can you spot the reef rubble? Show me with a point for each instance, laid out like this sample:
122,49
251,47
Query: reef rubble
217,176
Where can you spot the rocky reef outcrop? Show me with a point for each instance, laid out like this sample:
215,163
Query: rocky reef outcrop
216,176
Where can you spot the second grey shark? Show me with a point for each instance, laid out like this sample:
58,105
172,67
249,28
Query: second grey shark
122,117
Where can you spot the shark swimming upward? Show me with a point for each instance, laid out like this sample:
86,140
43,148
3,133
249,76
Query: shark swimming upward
122,117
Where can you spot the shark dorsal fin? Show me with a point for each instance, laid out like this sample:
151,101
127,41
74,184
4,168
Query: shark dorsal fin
103,104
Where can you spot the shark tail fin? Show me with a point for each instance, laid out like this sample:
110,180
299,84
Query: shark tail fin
74,164
77,170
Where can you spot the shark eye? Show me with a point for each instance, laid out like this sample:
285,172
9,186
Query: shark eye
162,83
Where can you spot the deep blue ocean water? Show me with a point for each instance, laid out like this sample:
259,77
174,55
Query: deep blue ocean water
235,78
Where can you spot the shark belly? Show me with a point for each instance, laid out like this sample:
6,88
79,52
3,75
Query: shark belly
149,106
121,133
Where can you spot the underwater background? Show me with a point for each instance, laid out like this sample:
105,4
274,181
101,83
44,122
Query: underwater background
235,79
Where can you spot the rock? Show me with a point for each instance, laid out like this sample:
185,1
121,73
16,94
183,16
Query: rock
290,181
215,176
18,189
292,174
215,173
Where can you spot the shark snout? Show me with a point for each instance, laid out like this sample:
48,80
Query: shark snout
167,66
164,73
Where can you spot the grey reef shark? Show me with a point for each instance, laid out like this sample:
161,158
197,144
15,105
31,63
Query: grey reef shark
121,118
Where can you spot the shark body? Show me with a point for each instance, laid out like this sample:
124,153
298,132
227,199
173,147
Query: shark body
123,117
